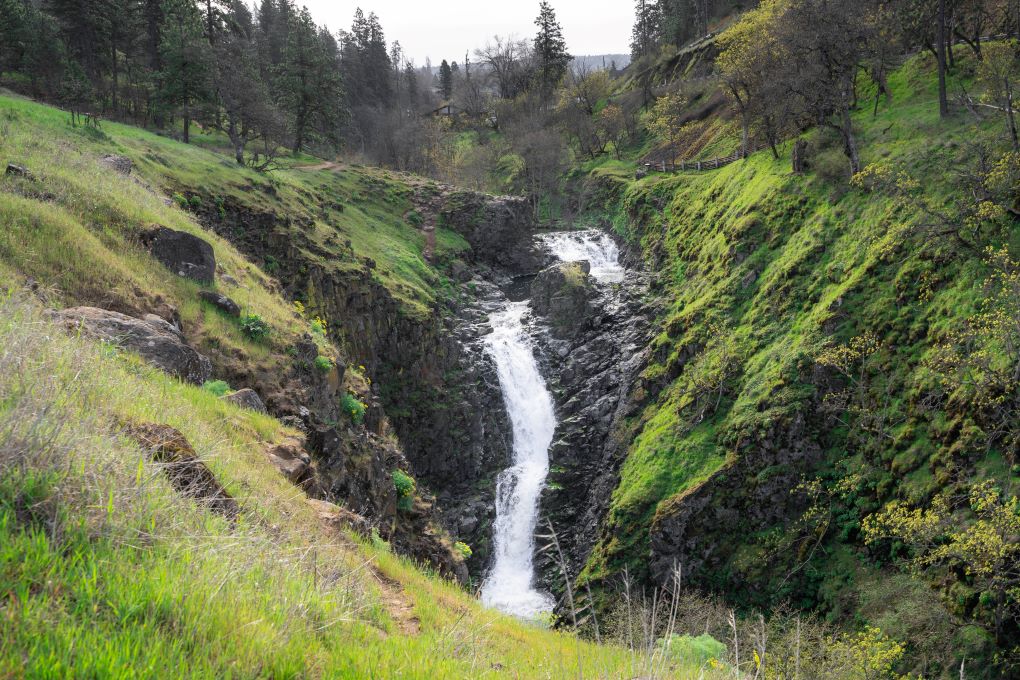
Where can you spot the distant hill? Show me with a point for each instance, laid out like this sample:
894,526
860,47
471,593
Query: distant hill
604,60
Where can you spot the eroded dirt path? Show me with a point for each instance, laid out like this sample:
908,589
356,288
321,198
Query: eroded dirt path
395,600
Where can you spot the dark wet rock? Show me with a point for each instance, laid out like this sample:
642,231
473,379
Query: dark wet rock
182,253
221,302
187,473
562,294
154,339
246,398
593,376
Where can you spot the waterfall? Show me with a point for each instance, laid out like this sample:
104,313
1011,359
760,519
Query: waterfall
597,247
510,585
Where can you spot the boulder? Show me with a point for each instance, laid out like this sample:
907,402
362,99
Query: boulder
182,253
187,473
221,302
562,294
120,164
290,458
155,340
17,170
246,398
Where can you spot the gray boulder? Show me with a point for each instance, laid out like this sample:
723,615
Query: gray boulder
290,458
182,253
246,398
158,342
221,302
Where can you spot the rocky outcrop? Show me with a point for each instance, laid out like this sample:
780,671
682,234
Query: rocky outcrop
155,340
500,229
182,253
562,294
291,459
591,371
187,473
119,164
702,528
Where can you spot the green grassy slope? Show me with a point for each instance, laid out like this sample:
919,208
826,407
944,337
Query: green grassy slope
761,270
105,569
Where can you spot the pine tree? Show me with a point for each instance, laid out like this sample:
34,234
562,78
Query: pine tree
445,81
550,48
646,24
184,54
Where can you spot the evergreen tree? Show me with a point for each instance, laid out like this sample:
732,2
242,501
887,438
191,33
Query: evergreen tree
445,80
646,24
550,48
311,87
184,55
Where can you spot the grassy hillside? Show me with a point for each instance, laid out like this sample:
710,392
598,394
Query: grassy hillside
108,568
764,274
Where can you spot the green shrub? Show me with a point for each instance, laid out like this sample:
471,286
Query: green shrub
405,486
217,387
255,327
272,265
318,326
195,201
353,408
415,218
181,200
462,549
324,364
700,650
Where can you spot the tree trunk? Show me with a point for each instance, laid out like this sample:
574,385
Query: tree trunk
798,156
849,142
115,73
1010,118
187,122
940,48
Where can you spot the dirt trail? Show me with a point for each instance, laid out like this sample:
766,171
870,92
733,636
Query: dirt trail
325,165
397,602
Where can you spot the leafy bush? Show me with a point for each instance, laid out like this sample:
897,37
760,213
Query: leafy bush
255,327
353,408
701,650
217,387
319,326
195,201
181,200
405,486
415,218
324,364
463,549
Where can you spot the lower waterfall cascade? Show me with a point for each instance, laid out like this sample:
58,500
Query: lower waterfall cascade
510,583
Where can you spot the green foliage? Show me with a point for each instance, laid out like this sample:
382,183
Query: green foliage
216,387
354,408
255,328
405,486
463,549
324,364
702,650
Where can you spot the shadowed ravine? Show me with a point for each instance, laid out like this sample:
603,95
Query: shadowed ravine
510,585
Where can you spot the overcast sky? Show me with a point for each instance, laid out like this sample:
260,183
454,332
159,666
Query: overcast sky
444,29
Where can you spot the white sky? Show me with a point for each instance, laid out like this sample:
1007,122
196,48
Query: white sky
445,29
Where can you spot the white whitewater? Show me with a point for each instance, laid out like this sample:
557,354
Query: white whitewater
510,585
597,247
